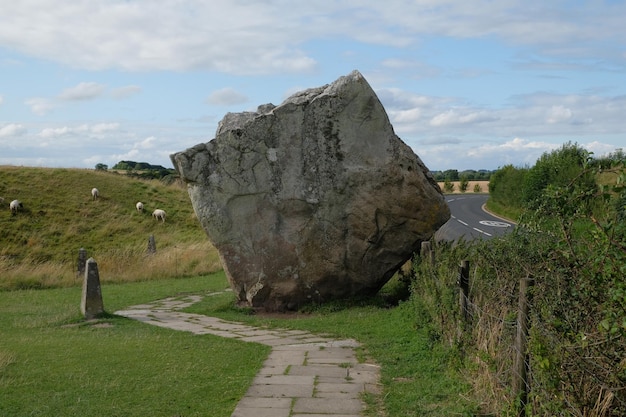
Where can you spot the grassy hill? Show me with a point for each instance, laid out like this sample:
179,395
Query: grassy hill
39,245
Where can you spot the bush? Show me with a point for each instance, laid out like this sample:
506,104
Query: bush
574,246
558,168
463,183
448,187
505,186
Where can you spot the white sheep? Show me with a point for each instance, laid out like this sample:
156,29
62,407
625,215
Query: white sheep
139,206
15,206
159,214
95,193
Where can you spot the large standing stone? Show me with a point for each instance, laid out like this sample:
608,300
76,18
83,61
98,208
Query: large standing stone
312,200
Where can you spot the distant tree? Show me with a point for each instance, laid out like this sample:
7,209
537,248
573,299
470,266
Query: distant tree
448,187
478,188
438,175
124,165
101,167
451,174
143,170
463,183
469,174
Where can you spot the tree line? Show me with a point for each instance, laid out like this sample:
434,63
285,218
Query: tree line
143,170
467,175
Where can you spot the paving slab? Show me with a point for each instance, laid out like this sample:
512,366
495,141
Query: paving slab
325,406
305,375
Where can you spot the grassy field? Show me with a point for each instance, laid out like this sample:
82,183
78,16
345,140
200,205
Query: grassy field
53,363
39,246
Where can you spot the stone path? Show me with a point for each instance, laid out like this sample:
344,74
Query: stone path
305,375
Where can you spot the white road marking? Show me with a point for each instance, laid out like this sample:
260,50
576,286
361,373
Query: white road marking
462,222
480,231
494,223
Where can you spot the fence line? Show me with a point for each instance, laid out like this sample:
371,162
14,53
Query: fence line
520,370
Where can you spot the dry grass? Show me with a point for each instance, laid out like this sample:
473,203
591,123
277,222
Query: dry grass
483,187
124,265
39,246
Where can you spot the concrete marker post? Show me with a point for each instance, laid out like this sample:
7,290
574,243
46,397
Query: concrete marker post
91,304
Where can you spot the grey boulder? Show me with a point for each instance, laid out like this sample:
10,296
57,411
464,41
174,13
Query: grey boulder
312,200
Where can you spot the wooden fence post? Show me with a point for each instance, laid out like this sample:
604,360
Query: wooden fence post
520,371
464,289
427,252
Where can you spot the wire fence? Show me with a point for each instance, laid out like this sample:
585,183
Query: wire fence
534,365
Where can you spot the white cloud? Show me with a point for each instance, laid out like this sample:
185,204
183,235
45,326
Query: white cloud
82,91
557,114
406,116
417,69
96,130
456,117
12,129
126,91
40,106
147,143
226,97
269,36
599,148
53,132
471,154
562,116
142,150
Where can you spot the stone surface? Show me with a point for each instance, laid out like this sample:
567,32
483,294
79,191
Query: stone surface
91,305
312,200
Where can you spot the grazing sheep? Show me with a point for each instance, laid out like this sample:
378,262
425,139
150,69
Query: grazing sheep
15,206
95,193
159,214
139,206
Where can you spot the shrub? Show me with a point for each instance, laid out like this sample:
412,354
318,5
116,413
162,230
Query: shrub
463,183
505,186
574,246
448,187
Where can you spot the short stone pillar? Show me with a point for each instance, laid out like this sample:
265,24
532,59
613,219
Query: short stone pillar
151,245
91,303
82,258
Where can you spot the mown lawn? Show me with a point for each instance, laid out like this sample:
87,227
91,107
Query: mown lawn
52,363
419,375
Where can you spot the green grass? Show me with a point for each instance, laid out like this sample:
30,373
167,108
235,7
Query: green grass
39,246
418,374
512,213
52,363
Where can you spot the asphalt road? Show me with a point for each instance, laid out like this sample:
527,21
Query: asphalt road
470,221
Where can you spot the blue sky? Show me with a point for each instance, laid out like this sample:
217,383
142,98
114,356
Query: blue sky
467,84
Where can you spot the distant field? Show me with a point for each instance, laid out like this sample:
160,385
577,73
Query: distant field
484,186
